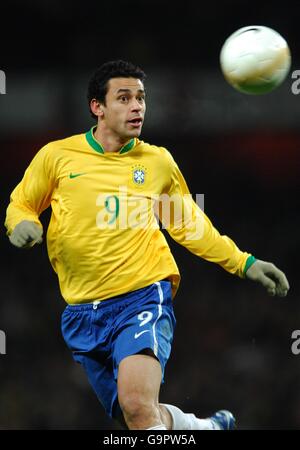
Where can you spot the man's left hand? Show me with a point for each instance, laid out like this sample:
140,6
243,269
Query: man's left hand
273,279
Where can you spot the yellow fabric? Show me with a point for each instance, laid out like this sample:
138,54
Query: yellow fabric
93,196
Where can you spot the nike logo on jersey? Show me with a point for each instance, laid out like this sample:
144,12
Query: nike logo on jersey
74,175
140,333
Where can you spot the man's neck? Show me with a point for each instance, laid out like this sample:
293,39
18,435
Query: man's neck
109,142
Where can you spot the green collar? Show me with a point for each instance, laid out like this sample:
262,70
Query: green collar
98,147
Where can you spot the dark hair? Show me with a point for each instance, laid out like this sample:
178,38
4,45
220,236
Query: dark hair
97,87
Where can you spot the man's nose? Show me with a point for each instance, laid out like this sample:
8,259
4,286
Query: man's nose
136,106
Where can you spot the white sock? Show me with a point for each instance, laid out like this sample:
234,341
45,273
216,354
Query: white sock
158,427
183,421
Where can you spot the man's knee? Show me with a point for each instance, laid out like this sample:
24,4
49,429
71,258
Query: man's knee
137,409
139,379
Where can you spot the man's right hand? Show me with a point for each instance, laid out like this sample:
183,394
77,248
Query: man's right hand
26,234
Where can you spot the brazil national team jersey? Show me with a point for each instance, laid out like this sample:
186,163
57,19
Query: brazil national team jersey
103,237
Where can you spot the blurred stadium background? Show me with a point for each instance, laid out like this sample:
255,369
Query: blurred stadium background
232,346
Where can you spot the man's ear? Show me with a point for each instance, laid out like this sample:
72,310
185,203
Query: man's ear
96,108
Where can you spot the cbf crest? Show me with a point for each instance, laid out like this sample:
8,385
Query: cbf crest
139,174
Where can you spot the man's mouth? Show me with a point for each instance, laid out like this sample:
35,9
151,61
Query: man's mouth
136,122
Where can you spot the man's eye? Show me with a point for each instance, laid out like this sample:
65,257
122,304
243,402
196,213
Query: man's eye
123,98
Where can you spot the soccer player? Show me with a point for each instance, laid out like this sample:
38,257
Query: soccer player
115,269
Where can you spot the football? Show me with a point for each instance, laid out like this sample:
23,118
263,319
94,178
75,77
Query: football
255,59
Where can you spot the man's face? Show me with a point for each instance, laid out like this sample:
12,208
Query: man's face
125,107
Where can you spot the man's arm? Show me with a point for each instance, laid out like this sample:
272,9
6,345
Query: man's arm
28,200
198,235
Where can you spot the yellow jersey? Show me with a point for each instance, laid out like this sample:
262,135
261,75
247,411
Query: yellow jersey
104,238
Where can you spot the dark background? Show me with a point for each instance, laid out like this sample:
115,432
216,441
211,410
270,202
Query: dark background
232,346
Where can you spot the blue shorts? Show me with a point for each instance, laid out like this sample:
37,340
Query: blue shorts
101,334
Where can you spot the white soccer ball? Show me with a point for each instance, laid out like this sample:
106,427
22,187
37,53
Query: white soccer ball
255,59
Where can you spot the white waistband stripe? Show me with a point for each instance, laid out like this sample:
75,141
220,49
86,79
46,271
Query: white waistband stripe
161,299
